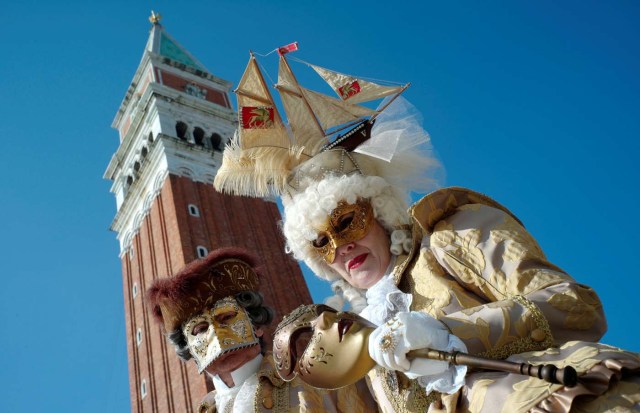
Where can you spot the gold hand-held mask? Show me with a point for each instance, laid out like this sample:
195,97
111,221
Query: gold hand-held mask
327,349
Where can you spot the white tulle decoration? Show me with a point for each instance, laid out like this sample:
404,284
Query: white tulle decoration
398,128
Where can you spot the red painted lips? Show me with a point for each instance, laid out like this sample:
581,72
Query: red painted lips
357,261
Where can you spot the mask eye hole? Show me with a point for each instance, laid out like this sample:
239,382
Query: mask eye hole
301,340
200,328
226,317
344,324
344,221
320,241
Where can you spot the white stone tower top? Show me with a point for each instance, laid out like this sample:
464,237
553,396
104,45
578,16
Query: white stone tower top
174,119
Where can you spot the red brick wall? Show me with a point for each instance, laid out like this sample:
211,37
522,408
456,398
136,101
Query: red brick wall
167,240
250,223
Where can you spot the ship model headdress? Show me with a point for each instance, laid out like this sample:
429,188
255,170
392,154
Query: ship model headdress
324,134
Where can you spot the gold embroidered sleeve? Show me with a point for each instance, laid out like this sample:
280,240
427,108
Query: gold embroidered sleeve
354,398
530,303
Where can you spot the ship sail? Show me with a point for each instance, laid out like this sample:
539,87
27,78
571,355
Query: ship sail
307,131
259,119
259,159
355,90
333,112
260,156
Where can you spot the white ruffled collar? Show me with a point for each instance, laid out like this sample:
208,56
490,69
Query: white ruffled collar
385,300
241,394
239,375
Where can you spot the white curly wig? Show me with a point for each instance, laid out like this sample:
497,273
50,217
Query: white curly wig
310,209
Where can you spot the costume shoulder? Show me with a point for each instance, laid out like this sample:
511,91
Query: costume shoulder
444,202
272,392
208,404
476,255
268,372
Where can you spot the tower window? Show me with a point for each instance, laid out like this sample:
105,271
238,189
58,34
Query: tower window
134,290
139,336
198,136
143,388
129,180
181,130
216,142
193,210
201,251
150,137
144,152
136,166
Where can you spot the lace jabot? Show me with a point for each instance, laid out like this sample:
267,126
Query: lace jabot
240,397
385,300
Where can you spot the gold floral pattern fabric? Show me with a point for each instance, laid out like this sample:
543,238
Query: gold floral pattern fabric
474,263
396,393
478,270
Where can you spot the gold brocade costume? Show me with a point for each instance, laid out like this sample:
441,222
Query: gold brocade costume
276,395
475,268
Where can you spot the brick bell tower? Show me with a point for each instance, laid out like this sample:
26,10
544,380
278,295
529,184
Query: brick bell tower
173,123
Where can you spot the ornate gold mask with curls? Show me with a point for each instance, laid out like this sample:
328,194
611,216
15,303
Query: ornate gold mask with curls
346,223
217,331
326,348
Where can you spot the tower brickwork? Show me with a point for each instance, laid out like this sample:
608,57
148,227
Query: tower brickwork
173,124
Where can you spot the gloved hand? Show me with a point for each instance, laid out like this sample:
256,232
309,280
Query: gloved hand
390,343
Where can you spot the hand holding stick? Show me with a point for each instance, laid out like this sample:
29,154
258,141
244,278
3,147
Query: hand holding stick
328,350
566,376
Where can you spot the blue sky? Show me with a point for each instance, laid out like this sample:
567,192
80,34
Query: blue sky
533,103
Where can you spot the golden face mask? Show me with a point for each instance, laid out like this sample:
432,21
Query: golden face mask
224,328
325,348
346,223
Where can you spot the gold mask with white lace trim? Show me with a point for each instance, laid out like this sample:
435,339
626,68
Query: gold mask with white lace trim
217,331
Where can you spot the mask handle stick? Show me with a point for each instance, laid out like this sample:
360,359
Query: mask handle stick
566,376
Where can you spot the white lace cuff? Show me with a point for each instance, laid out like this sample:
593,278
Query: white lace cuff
448,381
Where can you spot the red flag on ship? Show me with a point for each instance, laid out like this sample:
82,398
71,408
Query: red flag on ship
349,90
254,117
291,47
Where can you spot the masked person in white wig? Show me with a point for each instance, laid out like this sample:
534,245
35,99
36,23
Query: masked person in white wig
455,271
